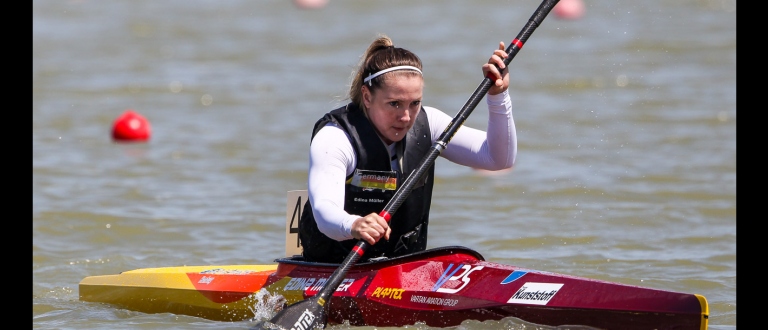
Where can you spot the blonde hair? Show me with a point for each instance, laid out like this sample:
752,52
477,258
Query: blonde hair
381,54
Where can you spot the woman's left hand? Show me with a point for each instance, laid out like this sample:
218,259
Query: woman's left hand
501,81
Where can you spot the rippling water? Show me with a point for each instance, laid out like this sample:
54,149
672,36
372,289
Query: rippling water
626,122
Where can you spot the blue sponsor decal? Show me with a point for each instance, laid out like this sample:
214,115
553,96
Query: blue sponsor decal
512,277
446,275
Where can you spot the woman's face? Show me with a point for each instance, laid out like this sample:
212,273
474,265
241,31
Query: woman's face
393,107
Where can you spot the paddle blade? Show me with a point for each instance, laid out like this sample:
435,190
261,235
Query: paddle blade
304,315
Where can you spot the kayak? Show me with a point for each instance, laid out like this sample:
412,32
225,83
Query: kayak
439,287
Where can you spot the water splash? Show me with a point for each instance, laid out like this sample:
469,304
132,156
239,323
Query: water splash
266,304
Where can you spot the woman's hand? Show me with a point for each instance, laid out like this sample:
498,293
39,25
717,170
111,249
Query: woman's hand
371,228
501,79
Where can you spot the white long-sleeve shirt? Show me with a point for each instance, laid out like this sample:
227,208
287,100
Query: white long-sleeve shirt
332,159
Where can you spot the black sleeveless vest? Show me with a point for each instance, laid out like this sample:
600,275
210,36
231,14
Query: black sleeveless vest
409,222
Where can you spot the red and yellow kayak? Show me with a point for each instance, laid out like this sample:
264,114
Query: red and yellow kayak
439,287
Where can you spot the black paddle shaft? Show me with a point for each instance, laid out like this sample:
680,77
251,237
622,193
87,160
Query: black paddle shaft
314,313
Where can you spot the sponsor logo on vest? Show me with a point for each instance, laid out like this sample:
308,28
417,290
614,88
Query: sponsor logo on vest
374,178
367,179
533,293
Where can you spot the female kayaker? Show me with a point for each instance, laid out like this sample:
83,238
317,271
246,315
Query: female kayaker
361,152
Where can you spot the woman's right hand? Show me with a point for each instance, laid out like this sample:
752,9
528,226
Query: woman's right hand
371,228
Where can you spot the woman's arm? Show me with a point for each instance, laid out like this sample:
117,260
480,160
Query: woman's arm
331,159
493,150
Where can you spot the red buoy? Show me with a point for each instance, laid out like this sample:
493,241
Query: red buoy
131,127
310,4
569,9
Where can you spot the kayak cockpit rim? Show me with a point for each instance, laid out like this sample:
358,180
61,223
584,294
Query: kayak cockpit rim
428,253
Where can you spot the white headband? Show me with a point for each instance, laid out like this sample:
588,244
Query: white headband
402,67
